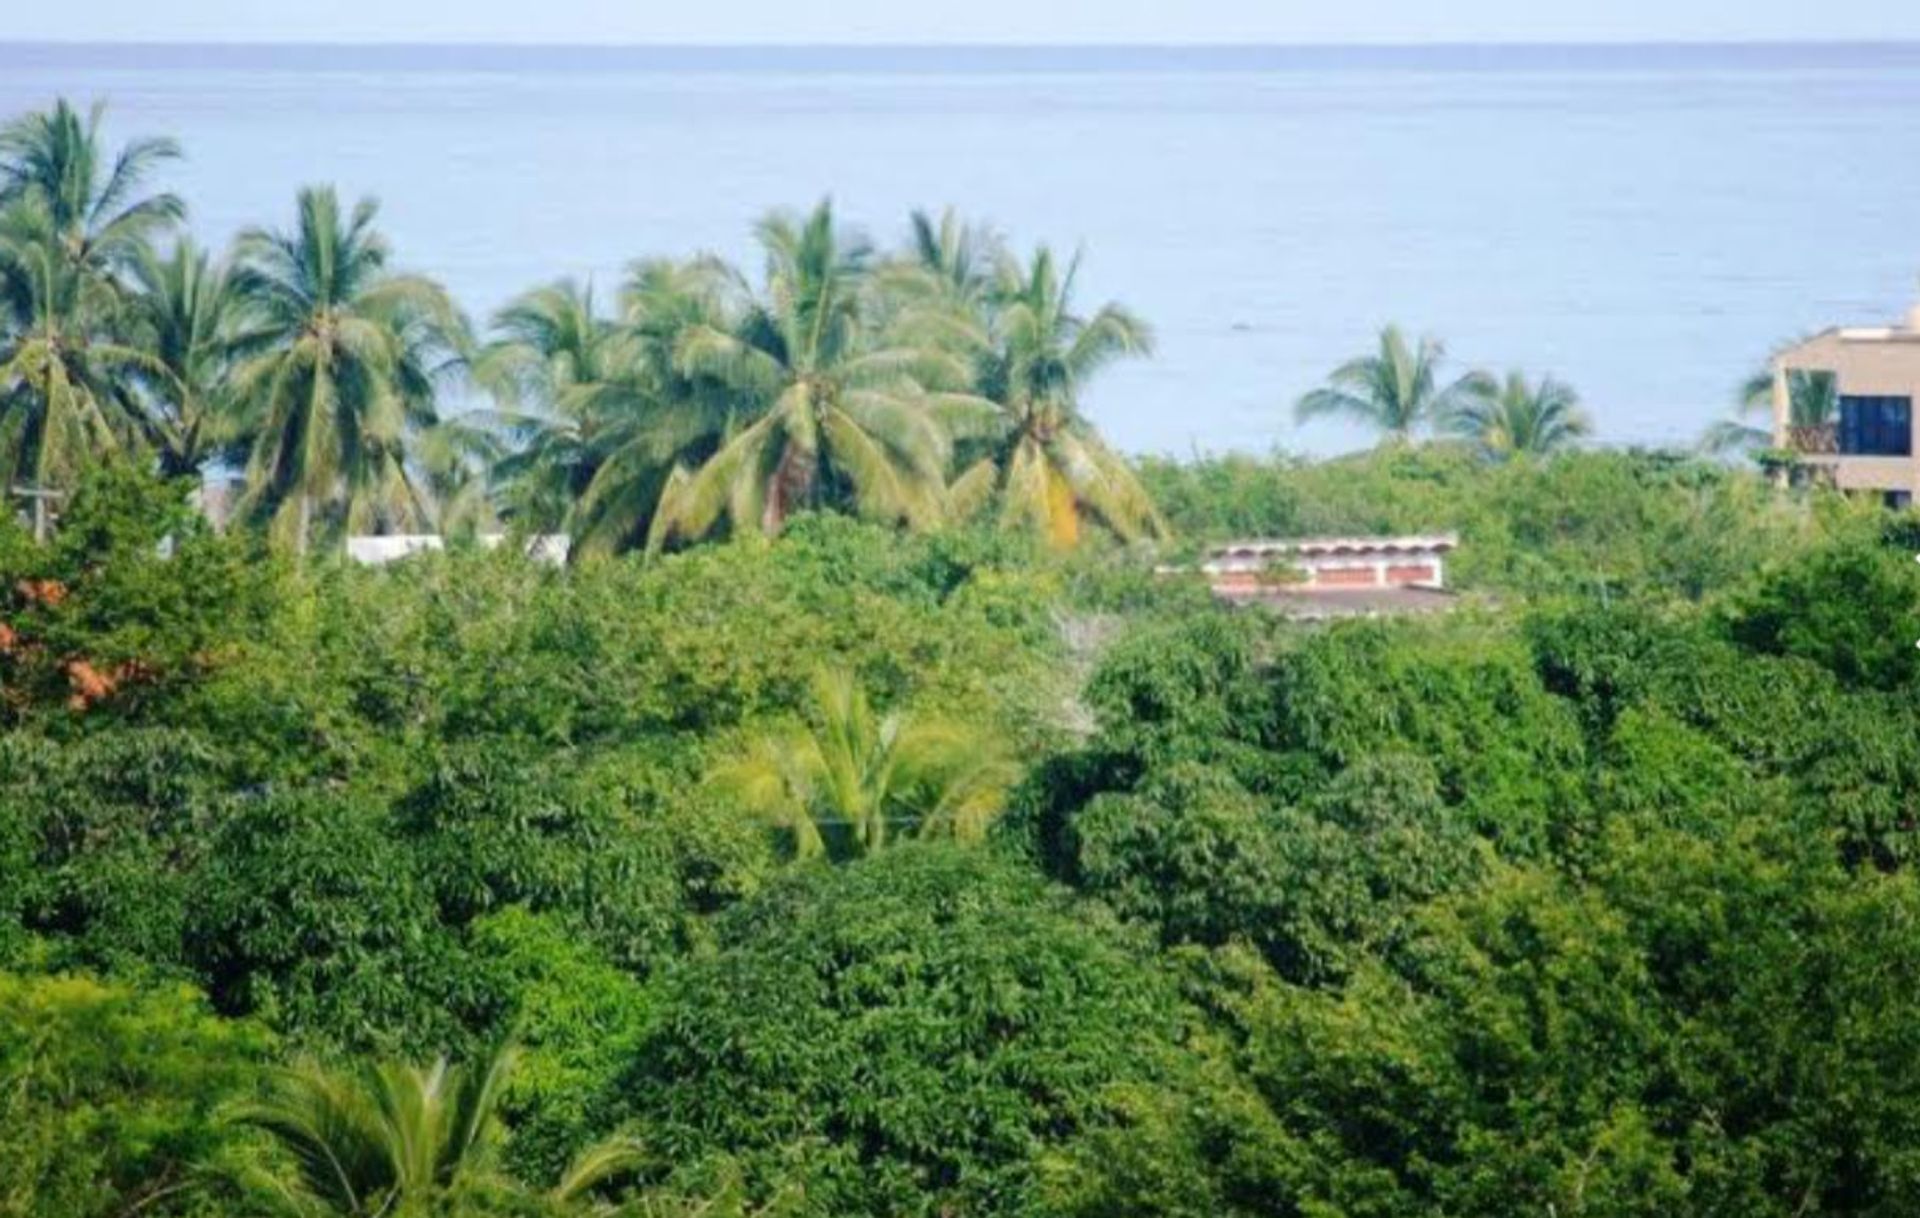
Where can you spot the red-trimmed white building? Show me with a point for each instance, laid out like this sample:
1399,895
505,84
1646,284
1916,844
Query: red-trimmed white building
1321,577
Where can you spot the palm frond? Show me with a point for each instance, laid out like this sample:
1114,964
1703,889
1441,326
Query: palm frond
970,493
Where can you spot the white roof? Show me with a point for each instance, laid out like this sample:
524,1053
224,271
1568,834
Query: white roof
1425,543
550,548
378,550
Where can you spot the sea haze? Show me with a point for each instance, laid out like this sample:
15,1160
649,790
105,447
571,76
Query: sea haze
1643,222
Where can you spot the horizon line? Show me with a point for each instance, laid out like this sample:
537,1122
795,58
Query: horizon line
967,44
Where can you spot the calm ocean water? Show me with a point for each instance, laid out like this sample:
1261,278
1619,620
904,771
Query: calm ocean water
1642,222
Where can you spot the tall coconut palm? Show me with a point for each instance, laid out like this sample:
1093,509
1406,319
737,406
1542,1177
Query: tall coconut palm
936,292
551,370
1048,464
189,317
1519,418
675,414
598,407
840,406
391,1139
67,376
1396,390
92,199
351,355
870,773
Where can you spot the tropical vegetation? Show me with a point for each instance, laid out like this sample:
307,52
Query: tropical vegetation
863,776
340,393
1397,390
1518,418
335,392
1812,402
1049,466
853,832
391,1138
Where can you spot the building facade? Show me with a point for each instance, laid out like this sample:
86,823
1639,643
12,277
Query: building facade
1326,577
1843,403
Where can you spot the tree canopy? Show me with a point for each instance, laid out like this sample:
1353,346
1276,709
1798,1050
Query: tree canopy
832,839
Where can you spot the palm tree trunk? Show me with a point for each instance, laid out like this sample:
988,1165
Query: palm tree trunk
43,446
773,515
790,483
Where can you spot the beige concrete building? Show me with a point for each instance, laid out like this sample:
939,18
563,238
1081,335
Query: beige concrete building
1870,440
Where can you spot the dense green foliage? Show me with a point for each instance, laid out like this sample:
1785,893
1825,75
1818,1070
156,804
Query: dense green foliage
1593,897
112,1098
901,1036
1593,525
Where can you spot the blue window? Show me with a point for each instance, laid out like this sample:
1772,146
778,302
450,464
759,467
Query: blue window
1876,426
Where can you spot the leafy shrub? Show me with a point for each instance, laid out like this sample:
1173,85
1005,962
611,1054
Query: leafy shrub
113,1098
1190,690
576,1019
1462,696
904,1035
106,830
1852,609
135,587
309,914
1316,887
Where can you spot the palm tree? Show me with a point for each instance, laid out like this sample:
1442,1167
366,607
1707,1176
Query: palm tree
67,377
551,370
189,318
839,406
1812,402
457,458
385,1139
1045,459
851,767
1395,391
351,353
677,415
599,408
101,222
1521,419
71,218
950,259
937,291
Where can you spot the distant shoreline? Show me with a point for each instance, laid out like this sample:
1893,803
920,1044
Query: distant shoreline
966,57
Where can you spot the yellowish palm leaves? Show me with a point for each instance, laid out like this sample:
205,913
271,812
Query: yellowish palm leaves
1052,470
851,772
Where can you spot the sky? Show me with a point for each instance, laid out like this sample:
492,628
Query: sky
961,21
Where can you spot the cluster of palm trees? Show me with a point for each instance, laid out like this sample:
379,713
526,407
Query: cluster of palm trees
931,384
1397,390
301,358
935,382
